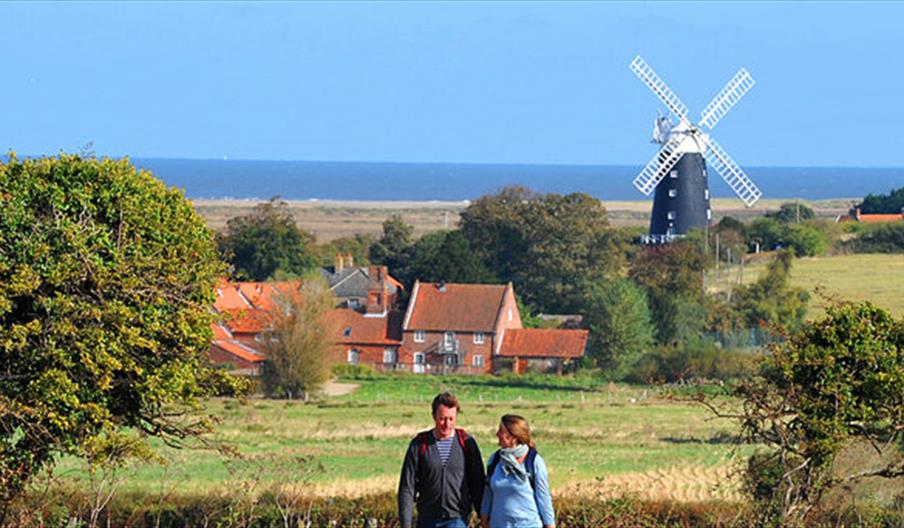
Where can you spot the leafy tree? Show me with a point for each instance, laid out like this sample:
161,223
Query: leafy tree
547,245
890,203
835,383
106,281
358,246
621,330
267,242
771,300
298,342
672,276
444,255
397,237
808,239
792,212
880,238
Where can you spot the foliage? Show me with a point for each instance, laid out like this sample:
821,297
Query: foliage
835,382
792,212
298,341
771,301
444,256
267,242
890,203
808,239
389,250
358,246
621,330
879,238
547,245
688,361
672,276
106,279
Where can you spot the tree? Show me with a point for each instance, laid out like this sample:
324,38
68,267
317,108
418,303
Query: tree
358,246
446,256
835,383
390,249
672,276
771,301
792,212
267,242
299,340
548,245
621,330
890,203
808,239
106,281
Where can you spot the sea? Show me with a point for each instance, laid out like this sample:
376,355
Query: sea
319,180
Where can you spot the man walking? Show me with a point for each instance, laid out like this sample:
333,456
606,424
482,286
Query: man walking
443,472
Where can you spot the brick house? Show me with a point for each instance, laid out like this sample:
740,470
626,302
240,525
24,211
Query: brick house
456,327
540,349
350,284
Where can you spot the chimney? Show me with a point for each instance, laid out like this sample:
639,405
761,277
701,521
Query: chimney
349,261
377,290
441,286
857,214
338,261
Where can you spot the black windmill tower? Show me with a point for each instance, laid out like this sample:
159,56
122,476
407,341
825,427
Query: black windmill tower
678,171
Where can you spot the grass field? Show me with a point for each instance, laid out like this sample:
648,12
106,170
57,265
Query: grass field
599,439
878,278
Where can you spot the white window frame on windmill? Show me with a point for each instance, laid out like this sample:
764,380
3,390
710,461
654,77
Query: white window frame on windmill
673,174
706,193
673,193
671,215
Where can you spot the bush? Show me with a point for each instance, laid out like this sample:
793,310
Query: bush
879,238
684,362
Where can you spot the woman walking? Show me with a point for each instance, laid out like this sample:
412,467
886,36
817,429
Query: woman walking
517,490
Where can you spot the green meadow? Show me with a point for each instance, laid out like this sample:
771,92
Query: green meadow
597,438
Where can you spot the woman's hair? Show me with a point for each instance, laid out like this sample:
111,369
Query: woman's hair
518,427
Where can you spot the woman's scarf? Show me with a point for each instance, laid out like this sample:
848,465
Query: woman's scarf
510,465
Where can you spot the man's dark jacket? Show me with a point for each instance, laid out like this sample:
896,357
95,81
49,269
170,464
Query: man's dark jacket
440,492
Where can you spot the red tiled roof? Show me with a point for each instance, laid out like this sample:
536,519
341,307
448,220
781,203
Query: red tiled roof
362,330
879,218
544,342
461,307
220,332
248,321
263,295
228,297
240,351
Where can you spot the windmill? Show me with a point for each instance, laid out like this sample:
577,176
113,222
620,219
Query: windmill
678,171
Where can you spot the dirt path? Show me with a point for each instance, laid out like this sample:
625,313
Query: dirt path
334,388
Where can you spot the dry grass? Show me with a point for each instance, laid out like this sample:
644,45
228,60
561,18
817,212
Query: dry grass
330,219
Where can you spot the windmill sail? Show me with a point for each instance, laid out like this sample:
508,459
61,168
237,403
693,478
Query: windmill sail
739,85
722,163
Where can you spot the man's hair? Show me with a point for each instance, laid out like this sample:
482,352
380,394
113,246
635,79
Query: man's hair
446,399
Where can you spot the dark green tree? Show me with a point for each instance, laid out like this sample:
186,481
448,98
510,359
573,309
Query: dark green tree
672,276
880,238
792,212
547,245
390,249
621,331
106,281
446,256
890,203
267,242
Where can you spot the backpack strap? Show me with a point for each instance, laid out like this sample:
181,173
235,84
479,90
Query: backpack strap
462,436
528,465
422,442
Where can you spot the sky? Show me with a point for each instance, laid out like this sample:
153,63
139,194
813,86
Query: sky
509,82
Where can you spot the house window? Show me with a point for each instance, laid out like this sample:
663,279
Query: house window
673,193
353,356
673,174
671,215
451,360
510,314
419,358
479,338
477,361
347,332
420,336
390,356
353,303
449,339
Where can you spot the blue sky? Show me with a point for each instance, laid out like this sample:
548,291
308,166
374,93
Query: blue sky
448,82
